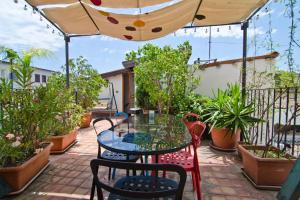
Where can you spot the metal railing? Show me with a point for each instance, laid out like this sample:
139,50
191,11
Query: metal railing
280,110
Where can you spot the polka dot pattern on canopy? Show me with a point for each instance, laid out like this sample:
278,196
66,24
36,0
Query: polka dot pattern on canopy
139,23
96,2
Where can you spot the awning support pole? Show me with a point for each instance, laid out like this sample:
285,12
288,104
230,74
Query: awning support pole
244,67
67,40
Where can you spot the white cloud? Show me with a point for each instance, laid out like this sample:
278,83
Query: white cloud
106,38
264,13
217,32
22,29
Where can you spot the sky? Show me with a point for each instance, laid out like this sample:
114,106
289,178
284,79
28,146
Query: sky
22,29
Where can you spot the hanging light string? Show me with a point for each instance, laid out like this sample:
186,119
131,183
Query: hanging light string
35,11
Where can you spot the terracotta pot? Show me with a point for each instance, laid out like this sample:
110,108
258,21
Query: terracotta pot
62,142
225,139
86,120
265,171
17,177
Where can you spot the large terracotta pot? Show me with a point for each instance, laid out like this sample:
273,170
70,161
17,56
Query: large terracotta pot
223,138
86,120
63,142
265,171
18,177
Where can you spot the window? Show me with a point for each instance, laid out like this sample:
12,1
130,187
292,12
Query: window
44,78
37,78
12,76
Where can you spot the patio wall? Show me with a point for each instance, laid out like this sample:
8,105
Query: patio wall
219,76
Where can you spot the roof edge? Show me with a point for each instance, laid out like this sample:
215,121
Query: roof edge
271,55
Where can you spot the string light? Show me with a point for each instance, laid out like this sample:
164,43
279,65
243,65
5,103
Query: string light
33,11
206,31
185,30
229,28
257,17
48,26
41,19
195,30
25,7
218,30
16,1
53,31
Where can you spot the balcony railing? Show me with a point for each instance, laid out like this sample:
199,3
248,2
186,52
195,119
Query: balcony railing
280,110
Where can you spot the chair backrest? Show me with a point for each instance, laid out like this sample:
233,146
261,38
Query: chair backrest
112,126
196,116
196,130
177,192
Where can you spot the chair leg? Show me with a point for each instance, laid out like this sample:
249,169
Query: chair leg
113,173
194,180
92,190
197,180
109,174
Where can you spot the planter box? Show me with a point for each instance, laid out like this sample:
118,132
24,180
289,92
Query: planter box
265,173
86,120
63,142
19,177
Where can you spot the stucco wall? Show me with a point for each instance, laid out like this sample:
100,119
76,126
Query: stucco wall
118,86
215,77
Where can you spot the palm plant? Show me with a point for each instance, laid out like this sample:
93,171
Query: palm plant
228,110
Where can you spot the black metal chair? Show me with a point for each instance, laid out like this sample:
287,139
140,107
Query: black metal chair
139,187
110,155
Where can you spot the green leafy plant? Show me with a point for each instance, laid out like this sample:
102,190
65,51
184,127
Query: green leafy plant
67,112
26,112
163,73
228,110
86,81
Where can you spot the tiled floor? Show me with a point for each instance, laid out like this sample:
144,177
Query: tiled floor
69,175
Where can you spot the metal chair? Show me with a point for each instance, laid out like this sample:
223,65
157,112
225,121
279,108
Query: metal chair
187,158
139,187
126,117
109,155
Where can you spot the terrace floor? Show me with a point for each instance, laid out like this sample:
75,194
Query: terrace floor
69,177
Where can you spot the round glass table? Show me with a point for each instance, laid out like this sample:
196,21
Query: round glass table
146,136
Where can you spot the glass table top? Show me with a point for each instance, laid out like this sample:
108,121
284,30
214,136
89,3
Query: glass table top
158,135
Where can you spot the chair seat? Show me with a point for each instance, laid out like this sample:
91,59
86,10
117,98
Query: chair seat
143,184
110,155
183,158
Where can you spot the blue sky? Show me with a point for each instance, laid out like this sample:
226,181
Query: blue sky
22,29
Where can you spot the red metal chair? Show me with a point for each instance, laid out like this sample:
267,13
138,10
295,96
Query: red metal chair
187,158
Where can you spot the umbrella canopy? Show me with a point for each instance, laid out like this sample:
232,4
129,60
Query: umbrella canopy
87,17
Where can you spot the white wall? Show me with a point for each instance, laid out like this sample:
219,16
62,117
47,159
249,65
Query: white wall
118,86
215,77
5,73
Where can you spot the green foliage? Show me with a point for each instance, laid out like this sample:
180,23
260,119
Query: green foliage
67,113
26,113
86,81
163,73
285,79
143,99
228,110
193,103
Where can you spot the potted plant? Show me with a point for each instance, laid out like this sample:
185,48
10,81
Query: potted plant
229,117
67,115
88,84
265,165
25,119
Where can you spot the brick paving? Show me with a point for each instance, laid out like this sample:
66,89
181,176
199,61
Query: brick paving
68,176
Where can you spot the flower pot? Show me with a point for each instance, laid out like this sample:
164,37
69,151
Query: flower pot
86,120
19,177
63,142
224,139
265,172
